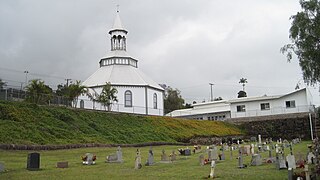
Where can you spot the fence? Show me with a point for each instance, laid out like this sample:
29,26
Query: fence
53,99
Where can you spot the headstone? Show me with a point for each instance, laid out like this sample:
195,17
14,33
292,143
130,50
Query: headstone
173,156
222,156
259,139
306,171
300,162
1,167
201,160
240,160
150,160
187,152
164,156
311,157
246,149
213,165
252,149
89,159
137,164
253,139
291,161
33,162
62,164
115,158
214,154
280,162
231,154
210,154
256,160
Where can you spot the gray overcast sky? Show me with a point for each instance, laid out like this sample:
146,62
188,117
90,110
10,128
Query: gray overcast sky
184,44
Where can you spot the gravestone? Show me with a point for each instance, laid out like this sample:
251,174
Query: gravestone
213,165
33,162
214,154
222,156
291,161
137,164
240,160
252,149
290,174
164,156
256,160
280,162
307,173
187,152
201,160
62,164
115,158
150,160
300,162
173,156
1,167
270,159
310,158
231,154
89,159
246,149
259,139
209,154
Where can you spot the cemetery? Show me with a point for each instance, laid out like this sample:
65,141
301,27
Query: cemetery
298,159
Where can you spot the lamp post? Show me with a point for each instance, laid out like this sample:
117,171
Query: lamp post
211,84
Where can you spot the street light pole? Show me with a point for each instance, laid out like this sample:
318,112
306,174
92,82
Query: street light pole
211,84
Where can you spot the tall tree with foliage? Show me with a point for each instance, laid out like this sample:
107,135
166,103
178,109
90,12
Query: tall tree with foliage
71,92
74,91
243,81
107,96
305,36
172,100
38,92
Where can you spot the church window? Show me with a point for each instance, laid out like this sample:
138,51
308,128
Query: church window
155,101
128,99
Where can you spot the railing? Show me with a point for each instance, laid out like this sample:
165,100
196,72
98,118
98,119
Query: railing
272,111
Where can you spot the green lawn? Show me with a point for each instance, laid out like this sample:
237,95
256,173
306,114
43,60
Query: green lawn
183,168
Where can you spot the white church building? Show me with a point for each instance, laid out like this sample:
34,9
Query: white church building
137,93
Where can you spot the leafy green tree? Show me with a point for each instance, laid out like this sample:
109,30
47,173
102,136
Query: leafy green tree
243,81
242,94
73,91
172,100
107,96
305,36
38,92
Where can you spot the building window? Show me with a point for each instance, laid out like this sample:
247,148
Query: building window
241,108
81,104
155,101
265,106
290,104
128,99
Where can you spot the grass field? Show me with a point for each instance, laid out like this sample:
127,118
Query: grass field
183,168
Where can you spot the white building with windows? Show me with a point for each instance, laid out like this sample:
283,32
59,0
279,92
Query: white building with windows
137,93
299,101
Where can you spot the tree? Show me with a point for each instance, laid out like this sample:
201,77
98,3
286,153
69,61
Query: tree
243,81
172,100
38,92
217,99
305,36
73,91
107,96
242,94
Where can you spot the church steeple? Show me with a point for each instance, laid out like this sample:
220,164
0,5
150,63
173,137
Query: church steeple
118,35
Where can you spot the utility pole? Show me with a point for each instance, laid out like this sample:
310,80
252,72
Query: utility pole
211,84
26,72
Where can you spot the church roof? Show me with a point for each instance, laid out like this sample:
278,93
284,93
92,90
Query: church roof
117,25
120,75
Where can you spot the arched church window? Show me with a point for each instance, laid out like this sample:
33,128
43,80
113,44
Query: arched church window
128,98
155,101
81,104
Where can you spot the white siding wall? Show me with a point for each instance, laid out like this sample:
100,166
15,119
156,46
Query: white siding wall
277,106
138,101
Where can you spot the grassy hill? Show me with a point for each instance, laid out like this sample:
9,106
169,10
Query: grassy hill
23,123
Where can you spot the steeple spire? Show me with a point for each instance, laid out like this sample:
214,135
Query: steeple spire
118,34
